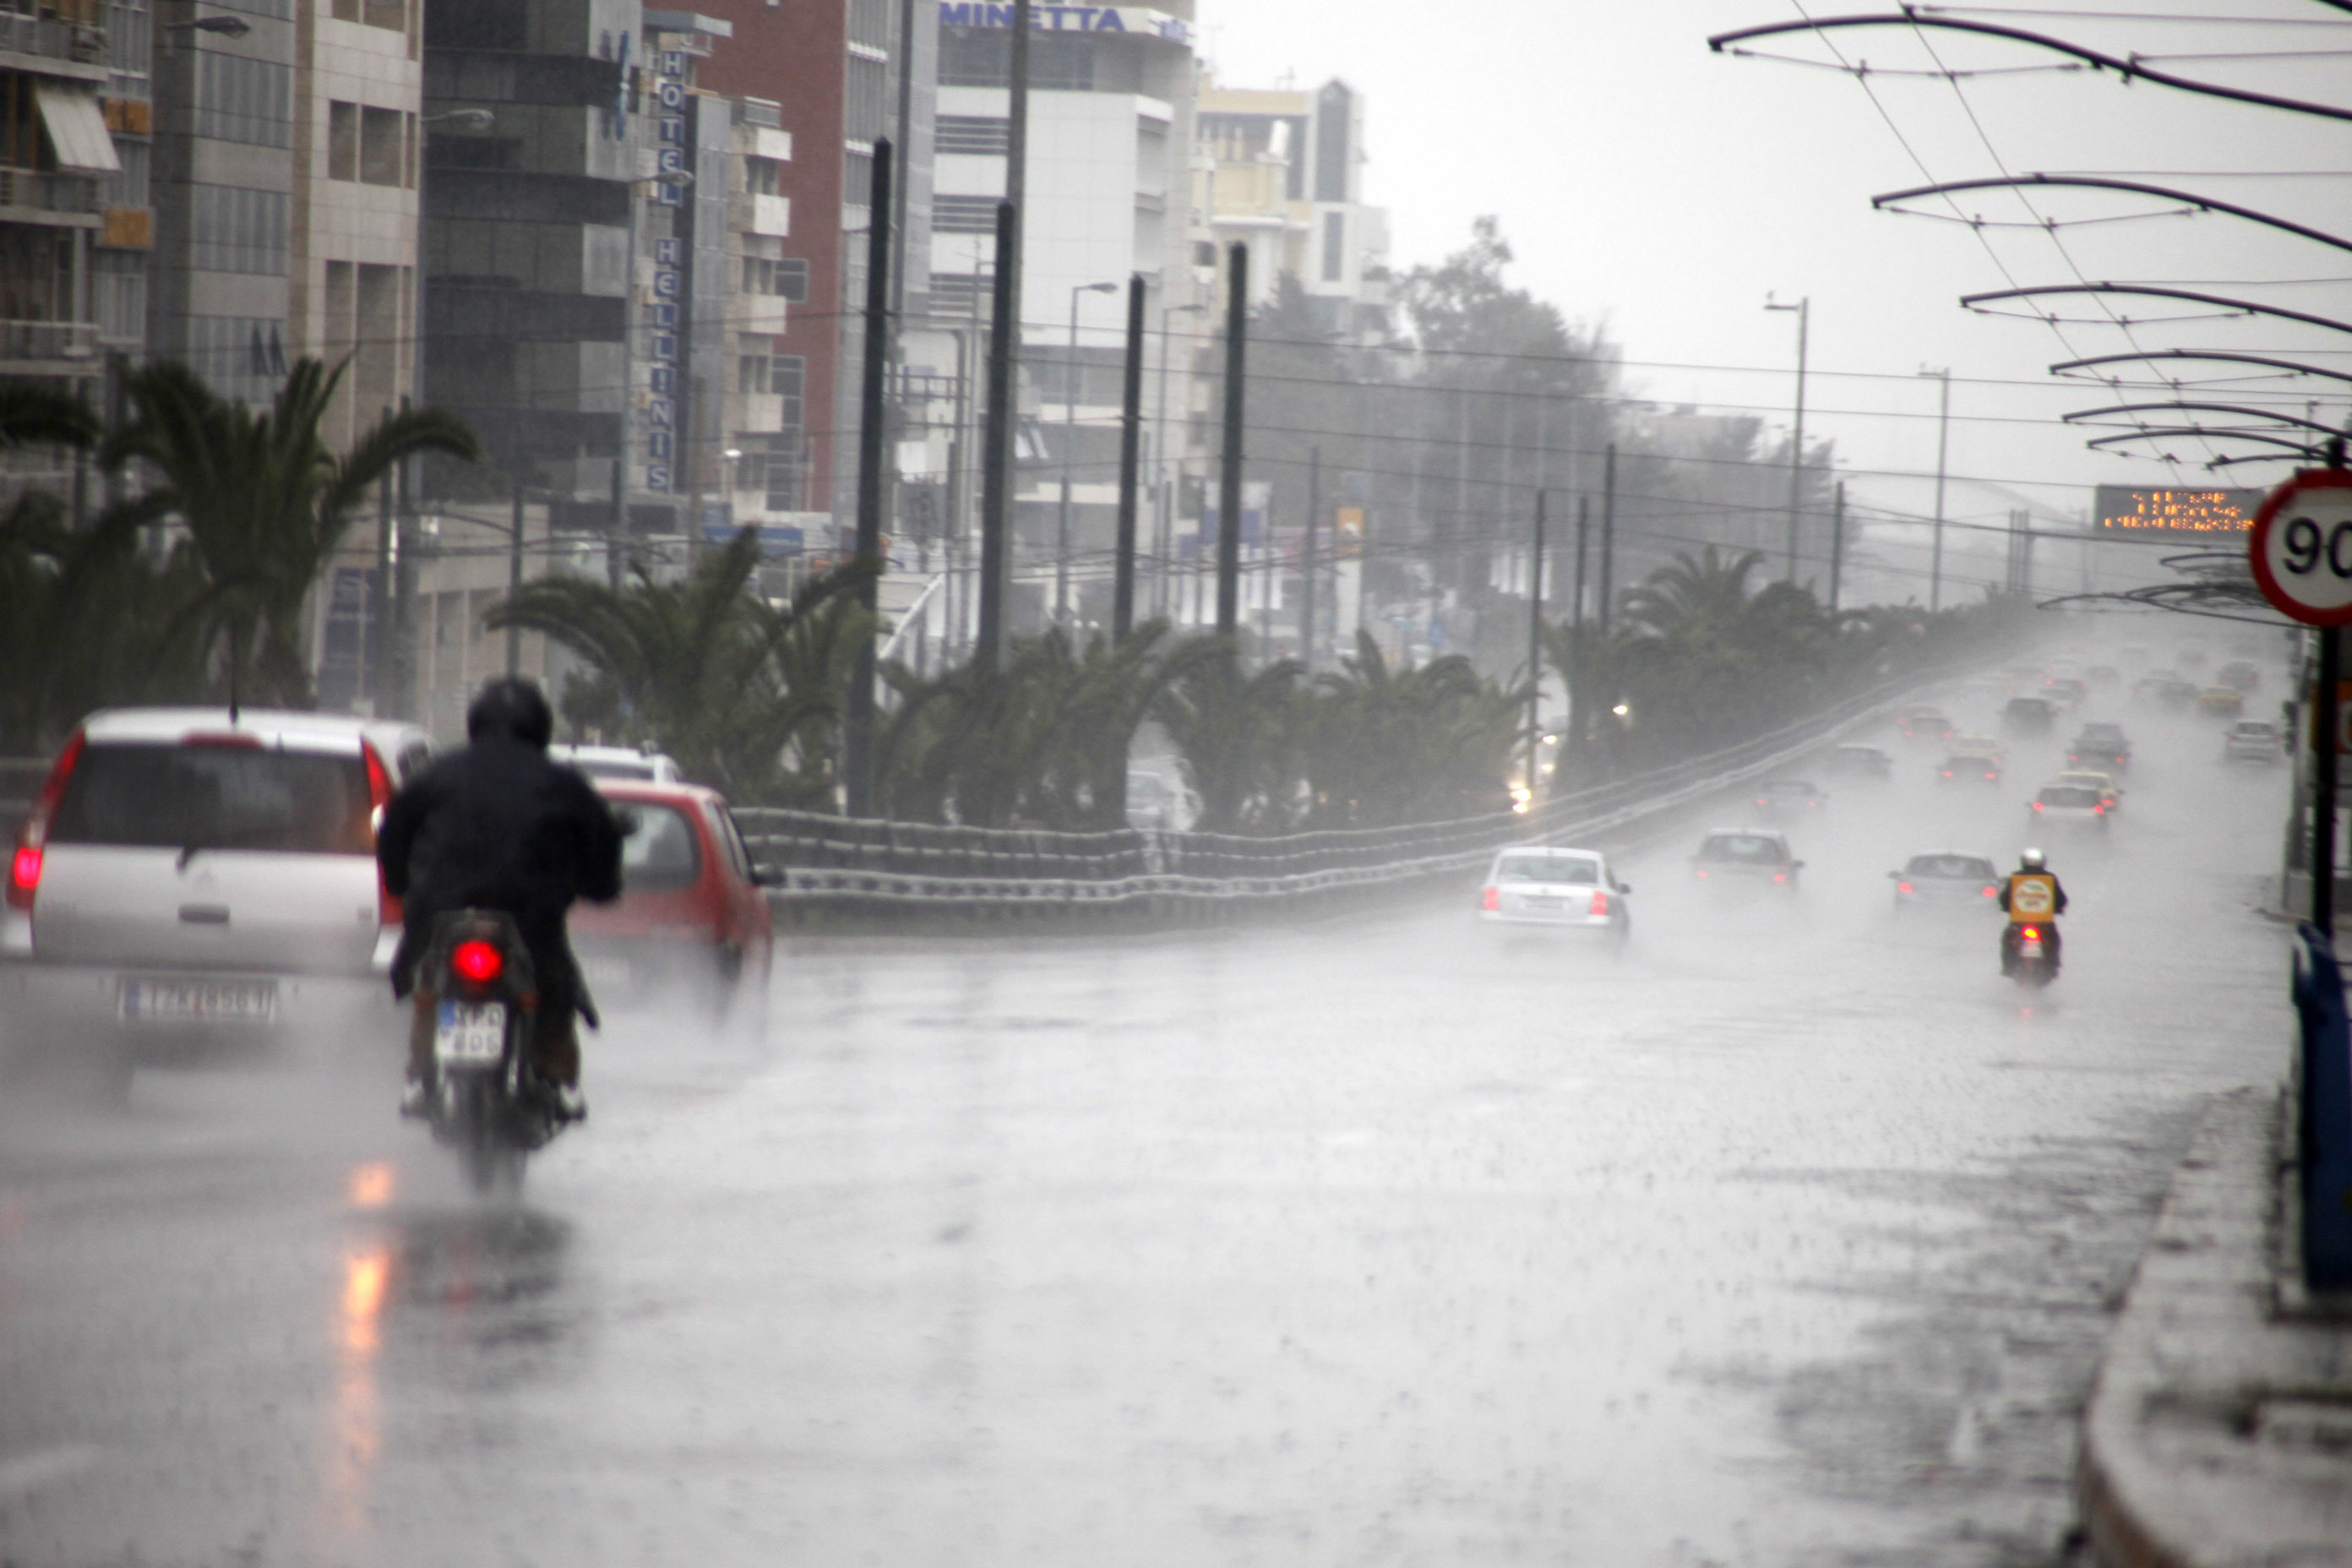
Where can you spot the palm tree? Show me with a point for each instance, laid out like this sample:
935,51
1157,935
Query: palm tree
1383,748
1240,739
1042,742
264,501
746,698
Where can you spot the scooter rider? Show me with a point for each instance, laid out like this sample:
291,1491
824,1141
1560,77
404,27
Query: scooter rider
498,826
2032,896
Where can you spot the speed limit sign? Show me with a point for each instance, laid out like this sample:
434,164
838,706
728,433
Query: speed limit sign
2301,548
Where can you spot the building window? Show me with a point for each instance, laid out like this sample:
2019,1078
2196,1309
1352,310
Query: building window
241,100
982,56
788,378
384,146
974,133
786,279
342,141
869,22
232,230
1335,246
963,215
865,109
787,472
763,176
751,373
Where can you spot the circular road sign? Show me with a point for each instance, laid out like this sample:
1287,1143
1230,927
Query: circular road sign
2301,547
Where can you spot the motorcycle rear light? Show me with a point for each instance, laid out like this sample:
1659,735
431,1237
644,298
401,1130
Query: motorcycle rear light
2030,933
477,961
1491,900
32,837
1600,903
1992,892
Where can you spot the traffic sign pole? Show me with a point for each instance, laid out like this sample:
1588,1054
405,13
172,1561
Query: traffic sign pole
2324,773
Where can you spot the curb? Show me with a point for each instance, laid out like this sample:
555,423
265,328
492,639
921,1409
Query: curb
2190,1454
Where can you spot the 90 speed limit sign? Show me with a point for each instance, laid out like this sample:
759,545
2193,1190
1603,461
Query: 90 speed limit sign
2301,548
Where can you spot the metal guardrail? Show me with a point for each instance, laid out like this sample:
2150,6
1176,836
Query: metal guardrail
873,867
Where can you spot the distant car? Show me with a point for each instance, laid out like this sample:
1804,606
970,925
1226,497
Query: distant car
1861,762
1566,889
2027,715
2101,746
693,911
2065,689
2192,658
2251,740
2241,674
1746,855
2110,791
1789,797
1923,721
2104,677
1969,768
2226,701
1946,878
1979,746
620,763
2166,691
2069,805
191,879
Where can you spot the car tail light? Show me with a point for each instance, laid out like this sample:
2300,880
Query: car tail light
387,908
1995,777
1600,902
1780,876
1760,801
1902,887
2037,805
1948,772
32,837
1491,900
2100,809
477,961
1702,876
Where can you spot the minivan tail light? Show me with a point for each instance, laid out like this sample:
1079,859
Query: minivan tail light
1491,900
33,838
387,908
1600,902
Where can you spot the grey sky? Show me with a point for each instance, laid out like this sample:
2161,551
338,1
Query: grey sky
1647,183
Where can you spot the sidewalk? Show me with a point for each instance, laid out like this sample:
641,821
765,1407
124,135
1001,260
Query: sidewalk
2219,1433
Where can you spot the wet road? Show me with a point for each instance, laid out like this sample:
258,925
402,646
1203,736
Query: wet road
1790,1239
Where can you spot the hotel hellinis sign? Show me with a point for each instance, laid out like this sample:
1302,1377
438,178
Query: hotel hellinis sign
2128,509
1069,19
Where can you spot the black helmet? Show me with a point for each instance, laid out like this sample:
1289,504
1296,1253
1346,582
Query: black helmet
511,708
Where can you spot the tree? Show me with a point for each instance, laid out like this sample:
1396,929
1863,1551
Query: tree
1240,742
746,697
264,501
1424,745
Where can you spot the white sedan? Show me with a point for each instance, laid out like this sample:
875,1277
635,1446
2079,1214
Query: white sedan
1570,889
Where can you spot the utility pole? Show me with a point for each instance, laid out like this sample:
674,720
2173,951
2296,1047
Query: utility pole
1608,529
1130,465
1943,429
1535,648
1803,307
1003,355
1307,560
1074,382
1576,611
857,727
1229,479
380,605
1837,546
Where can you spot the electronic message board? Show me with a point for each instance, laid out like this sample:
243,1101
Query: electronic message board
2157,510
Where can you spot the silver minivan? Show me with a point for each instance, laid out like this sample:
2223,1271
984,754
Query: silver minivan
188,874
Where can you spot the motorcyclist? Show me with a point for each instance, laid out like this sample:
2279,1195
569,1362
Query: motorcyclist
499,826
2032,896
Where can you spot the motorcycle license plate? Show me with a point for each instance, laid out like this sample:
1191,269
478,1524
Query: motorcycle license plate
470,1033
2030,950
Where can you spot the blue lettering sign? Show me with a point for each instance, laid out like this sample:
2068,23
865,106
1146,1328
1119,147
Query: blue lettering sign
672,127
665,345
665,283
661,414
673,62
662,379
665,313
658,445
672,95
668,252
657,477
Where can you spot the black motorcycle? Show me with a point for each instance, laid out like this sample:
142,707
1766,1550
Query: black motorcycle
487,1102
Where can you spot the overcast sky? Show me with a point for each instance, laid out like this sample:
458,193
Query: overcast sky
1665,190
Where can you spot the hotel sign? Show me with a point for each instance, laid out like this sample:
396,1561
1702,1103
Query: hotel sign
1069,19
2188,513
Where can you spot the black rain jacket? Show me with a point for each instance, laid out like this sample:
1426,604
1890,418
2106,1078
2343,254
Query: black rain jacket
500,826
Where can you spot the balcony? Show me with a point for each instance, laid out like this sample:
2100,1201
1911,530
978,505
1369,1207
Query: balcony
76,50
73,198
764,215
47,341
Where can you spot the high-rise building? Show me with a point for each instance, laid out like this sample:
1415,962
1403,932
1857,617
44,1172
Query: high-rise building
1281,171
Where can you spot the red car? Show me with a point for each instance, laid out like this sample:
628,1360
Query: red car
692,913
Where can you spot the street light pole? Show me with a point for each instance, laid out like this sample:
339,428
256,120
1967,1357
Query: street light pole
1803,307
1165,545
1943,429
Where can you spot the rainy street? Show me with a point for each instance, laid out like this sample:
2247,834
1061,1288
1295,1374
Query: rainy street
1787,1238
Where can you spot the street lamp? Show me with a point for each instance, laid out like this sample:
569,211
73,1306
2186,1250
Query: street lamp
1803,307
1070,402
